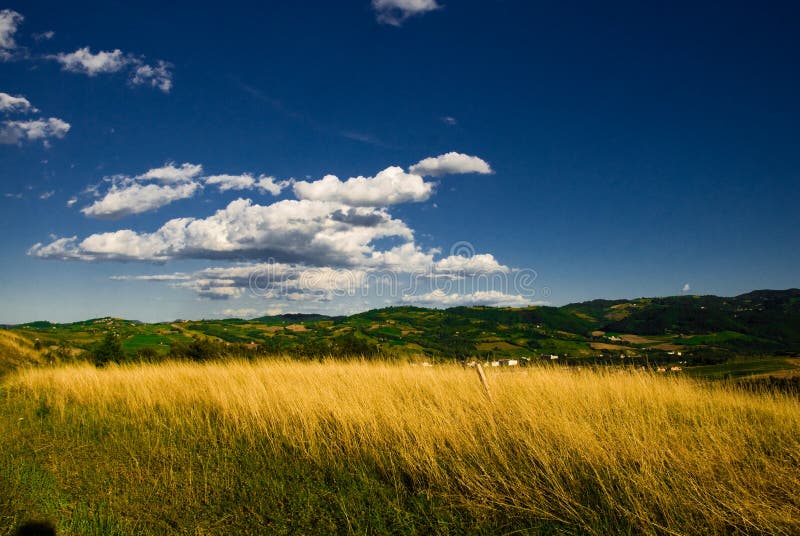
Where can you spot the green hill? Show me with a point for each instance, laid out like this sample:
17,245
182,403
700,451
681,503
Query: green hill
687,330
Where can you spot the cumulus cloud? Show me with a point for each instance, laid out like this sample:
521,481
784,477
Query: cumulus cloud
686,288
12,104
395,12
9,22
272,281
158,76
84,61
450,163
161,186
17,132
92,64
389,187
439,298
288,231
328,243
137,198
151,190
481,263
47,195
170,173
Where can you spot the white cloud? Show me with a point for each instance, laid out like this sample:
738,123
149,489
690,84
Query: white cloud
137,198
133,195
406,257
686,288
169,173
481,263
72,201
158,76
450,163
395,12
231,182
9,22
288,231
177,276
439,298
239,313
448,120
389,187
12,104
271,281
84,61
246,181
268,184
12,132
47,195
326,244
212,289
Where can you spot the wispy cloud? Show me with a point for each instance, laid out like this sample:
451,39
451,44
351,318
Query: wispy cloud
9,22
84,61
44,36
17,132
396,12
307,120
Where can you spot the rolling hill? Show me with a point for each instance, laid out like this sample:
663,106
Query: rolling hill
691,330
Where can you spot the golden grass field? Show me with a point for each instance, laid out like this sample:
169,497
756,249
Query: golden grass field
282,447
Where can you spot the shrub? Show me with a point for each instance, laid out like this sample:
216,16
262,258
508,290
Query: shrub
108,350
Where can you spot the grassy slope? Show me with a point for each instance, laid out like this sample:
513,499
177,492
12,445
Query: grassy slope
16,351
279,447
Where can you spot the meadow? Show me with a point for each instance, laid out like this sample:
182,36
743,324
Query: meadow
279,446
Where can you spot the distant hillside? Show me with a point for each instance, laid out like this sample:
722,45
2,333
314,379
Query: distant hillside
681,329
771,318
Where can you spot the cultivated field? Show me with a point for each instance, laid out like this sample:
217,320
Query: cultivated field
283,447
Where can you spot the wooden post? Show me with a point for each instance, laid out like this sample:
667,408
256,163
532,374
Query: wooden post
482,376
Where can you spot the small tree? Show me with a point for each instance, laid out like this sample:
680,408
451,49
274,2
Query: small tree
109,350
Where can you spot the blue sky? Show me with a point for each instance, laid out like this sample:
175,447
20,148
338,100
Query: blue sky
197,160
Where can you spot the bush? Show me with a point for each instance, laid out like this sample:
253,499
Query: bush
197,350
148,355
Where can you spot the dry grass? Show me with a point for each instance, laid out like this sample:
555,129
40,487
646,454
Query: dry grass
16,351
585,451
